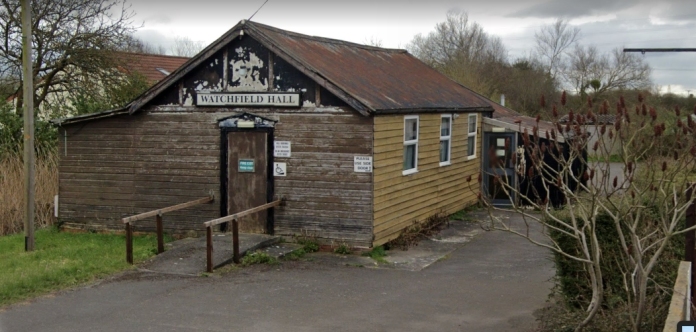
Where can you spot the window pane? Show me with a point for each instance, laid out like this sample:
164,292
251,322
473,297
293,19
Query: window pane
444,150
445,127
411,129
409,157
471,145
472,124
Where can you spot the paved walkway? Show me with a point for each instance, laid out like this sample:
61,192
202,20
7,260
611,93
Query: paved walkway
493,282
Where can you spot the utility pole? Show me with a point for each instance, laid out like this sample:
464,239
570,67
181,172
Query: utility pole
28,86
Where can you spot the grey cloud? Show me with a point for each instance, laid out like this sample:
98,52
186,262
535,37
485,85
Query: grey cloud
572,8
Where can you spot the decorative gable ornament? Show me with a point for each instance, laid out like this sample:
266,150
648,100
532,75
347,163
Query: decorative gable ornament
246,120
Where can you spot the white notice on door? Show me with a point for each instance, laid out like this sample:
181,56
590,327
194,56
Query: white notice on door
280,169
362,164
281,149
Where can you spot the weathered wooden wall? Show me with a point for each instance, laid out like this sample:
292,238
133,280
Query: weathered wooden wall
325,196
131,164
399,200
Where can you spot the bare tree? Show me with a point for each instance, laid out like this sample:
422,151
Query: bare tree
71,37
601,72
373,41
645,201
463,51
136,45
184,46
552,42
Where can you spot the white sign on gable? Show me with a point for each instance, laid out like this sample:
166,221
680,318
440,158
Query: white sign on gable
248,99
362,164
281,149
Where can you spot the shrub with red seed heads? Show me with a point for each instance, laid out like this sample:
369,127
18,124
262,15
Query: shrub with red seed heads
563,98
542,101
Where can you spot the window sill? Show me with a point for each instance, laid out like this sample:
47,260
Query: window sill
471,157
446,163
410,171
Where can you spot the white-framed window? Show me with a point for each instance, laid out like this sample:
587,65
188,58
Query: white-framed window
445,139
471,137
410,144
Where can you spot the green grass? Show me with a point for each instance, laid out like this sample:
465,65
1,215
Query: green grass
62,260
601,159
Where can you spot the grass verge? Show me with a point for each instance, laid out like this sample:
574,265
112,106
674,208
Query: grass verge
62,260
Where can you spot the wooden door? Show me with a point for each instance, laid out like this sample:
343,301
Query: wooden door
247,171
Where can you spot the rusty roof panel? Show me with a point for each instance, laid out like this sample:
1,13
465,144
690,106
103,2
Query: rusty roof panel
381,79
153,67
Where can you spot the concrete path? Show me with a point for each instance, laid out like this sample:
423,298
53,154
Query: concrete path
494,282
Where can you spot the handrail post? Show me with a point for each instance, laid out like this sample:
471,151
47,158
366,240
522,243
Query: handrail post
235,241
129,243
209,248
160,234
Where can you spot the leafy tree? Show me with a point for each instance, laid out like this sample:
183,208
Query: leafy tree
91,98
70,38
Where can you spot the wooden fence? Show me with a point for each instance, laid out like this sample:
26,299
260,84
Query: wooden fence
234,218
158,220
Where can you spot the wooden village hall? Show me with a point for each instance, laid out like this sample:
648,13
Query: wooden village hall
361,141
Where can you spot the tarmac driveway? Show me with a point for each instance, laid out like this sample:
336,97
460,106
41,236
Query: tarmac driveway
492,283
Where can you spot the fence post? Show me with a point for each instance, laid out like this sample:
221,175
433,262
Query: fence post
235,241
129,243
209,248
160,234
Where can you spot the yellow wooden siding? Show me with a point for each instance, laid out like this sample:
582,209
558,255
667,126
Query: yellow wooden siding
399,199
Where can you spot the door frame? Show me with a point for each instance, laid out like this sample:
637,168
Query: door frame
224,147
510,172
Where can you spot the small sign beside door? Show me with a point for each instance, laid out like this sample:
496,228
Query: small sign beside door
246,166
280,169
362,164
281,149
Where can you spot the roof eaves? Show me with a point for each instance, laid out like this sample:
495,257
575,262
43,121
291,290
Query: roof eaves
91,116
483,109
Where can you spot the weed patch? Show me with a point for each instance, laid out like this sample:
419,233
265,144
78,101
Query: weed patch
308,242
342,249
377,253
418,230
258,257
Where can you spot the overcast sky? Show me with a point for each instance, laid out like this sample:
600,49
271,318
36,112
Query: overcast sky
606,24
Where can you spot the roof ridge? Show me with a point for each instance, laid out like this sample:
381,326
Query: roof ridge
322,39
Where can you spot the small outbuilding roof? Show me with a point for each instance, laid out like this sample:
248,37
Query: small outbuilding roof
600,119
507,118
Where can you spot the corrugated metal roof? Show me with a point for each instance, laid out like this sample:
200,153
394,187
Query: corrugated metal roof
601,119
382,79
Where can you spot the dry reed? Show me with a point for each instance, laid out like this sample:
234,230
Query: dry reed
12,192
